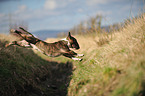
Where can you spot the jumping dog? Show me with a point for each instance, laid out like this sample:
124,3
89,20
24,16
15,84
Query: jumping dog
55,49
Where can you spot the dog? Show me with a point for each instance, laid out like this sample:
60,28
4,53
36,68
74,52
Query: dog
62,47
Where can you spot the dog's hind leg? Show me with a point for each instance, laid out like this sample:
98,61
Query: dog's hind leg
9,44
21,43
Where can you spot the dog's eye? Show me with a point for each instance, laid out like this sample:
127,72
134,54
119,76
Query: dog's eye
73,45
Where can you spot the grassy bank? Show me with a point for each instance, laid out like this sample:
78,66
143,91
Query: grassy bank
24,73
113,65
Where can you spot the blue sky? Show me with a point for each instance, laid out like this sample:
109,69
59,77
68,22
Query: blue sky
64,14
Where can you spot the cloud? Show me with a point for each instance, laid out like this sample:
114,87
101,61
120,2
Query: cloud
21,9
56,4
25,13
72,0
1,15
50,4
104,13
99,2
96,2
80,10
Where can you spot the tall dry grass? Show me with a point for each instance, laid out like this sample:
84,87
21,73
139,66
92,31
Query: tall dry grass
114,63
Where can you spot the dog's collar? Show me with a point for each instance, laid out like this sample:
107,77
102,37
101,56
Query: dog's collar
65,39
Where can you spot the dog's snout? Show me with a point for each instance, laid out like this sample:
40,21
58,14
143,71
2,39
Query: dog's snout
78,47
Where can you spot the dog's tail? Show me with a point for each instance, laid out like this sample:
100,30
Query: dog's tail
12,31
15,31
25,30
18,32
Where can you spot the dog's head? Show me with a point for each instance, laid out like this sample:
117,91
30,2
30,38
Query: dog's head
72,42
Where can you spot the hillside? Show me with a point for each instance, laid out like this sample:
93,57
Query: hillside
24,73
113,65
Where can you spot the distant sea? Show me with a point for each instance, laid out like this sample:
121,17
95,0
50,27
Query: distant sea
44,34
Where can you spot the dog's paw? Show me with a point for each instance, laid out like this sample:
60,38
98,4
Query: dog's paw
80,55
7,45
77,59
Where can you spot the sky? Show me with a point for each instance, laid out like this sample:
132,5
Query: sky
65,14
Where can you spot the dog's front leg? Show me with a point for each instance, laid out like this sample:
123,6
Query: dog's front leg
72,55
76,59
80,55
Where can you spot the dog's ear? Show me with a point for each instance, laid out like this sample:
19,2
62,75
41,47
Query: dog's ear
69,34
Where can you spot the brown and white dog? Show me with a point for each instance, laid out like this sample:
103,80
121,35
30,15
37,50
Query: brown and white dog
55,49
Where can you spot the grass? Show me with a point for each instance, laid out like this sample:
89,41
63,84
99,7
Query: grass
113,65
24,73
116,68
